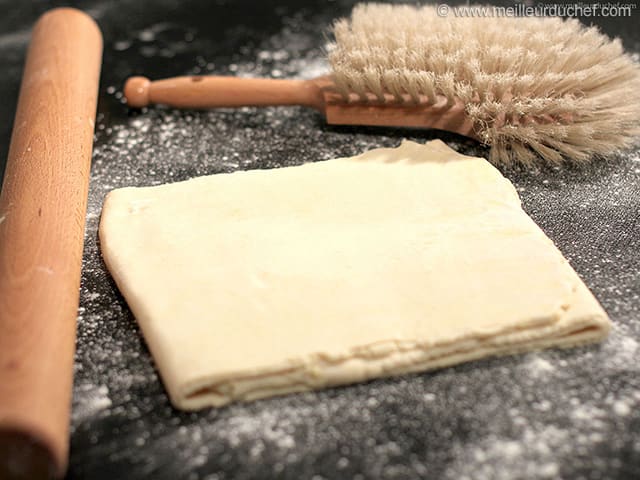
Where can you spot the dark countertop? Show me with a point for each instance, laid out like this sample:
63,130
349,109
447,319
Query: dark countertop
556,414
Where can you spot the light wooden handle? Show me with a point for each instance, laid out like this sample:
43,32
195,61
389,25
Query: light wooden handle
42,212
214,92
319,93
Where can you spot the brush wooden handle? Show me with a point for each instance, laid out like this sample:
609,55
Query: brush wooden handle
319,93
42,213
214,92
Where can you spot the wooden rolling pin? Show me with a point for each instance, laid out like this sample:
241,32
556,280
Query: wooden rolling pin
42,213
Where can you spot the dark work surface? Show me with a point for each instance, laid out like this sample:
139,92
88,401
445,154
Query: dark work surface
556,414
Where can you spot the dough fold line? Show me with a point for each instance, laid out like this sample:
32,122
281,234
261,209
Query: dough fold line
361,367
388,358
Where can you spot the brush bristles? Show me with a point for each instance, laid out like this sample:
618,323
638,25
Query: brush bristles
534,87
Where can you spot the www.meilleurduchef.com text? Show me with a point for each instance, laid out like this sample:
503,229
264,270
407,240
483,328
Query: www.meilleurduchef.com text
580,9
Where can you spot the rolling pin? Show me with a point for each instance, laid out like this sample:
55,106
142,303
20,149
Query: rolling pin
42,213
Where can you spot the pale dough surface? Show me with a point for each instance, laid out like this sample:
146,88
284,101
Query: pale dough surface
264,282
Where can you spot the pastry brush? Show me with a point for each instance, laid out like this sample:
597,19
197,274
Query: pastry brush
528,87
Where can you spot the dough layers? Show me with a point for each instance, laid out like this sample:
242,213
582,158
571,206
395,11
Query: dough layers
264,282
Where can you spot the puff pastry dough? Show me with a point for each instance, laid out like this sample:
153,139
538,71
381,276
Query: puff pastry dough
264,282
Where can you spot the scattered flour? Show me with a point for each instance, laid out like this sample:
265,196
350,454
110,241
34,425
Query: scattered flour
90,401
537,366
536,455
534,416
621,408
266,427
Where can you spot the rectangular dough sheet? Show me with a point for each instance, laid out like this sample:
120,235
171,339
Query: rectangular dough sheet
264,282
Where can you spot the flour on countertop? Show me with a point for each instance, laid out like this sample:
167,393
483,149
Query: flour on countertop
542,415
538,366
90,401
